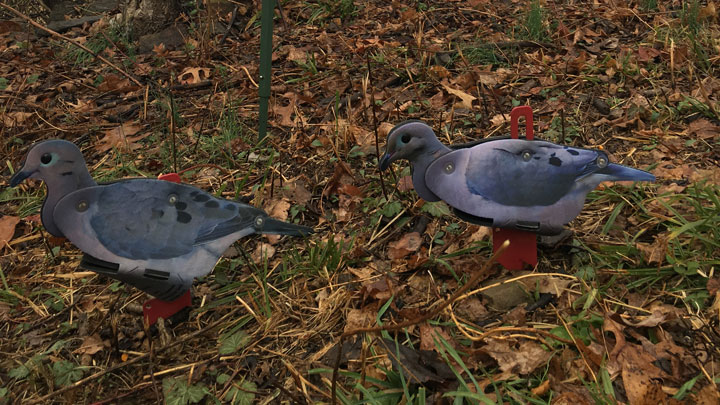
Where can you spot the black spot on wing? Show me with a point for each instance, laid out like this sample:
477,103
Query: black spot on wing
201,197
555,161
573,152
157,213
183,217
212,204
229,207
180,205
66,173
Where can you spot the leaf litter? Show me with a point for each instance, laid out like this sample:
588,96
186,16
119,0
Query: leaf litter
633,298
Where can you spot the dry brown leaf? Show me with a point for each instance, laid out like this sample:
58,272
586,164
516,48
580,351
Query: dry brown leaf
116,83
194,75
654,319
708,12
709,395
655,252
405,183
4,311
523,359
90,345
641,378
466,99
121,137
703,129
7,228
713,285
285,112
429,334
359,318
380,290
409,243
499,119
263,252
15,118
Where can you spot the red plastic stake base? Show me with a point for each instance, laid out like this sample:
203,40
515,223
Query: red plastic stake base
522,249
155,308
172,177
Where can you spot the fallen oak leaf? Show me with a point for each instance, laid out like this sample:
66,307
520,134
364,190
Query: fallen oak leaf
194,75
121,137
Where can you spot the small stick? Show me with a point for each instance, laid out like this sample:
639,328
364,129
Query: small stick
333,385
72,41
375,126
172,130
230,25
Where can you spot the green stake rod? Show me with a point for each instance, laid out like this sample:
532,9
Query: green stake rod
266,31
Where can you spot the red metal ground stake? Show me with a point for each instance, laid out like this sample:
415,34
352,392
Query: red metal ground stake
523,245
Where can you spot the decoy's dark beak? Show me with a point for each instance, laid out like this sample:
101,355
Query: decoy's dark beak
18,177
385,161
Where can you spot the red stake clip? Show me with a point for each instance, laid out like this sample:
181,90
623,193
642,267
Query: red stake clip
515,114
523,245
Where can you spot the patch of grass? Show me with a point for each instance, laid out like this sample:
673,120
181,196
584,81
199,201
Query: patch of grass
116,35
534,24
320,12
483,54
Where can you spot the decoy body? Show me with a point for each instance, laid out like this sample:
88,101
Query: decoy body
152,234
508,183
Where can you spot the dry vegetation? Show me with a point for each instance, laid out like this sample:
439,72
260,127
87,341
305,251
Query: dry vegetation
623,311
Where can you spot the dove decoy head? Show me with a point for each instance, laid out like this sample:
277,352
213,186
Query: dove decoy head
50,160
61,165
411,140
416,142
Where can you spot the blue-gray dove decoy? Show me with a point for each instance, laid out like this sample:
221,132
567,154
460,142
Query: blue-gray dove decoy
152,234
533,185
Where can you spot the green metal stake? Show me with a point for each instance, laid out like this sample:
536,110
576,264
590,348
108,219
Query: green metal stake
266,31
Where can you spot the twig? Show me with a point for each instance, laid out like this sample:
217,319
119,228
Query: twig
97,375
336,368
172,130
375,126
151,358
72,41
230,25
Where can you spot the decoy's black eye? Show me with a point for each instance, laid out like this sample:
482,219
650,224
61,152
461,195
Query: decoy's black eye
405,138
46,158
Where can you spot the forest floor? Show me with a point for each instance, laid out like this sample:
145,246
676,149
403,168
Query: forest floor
623,310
